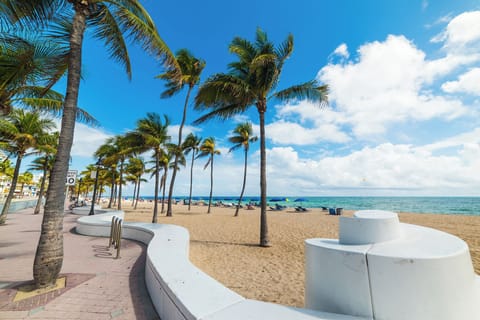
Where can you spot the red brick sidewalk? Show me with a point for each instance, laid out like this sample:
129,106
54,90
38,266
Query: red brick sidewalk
98,286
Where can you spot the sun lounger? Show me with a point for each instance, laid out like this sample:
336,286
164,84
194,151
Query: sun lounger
301,209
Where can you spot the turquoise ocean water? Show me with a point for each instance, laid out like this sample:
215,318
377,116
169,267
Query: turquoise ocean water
446,205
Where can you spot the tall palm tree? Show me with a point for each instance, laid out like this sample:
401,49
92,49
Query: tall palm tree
45,163
20,132
208,149
191,144
109,21
190,69
252,81
242,138
151,134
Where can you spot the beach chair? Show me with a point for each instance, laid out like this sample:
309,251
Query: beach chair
332,211
301,209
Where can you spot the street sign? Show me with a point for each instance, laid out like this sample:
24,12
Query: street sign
71,177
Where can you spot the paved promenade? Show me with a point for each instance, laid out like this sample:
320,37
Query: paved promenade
97,285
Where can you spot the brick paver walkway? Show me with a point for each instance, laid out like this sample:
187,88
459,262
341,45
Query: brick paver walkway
98,286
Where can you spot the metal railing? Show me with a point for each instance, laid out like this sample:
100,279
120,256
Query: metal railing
115,235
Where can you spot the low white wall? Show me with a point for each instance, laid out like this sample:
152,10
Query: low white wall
181,291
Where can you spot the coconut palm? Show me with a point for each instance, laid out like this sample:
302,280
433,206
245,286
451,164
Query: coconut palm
109,21
114,152
25,178
191,144
252,81
242,138
190,69
20,133
136,168
208,149
45,163
151,134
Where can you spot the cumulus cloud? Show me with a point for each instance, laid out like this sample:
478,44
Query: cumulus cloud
462,33
342,51
386,167
87,140
387,84
468,82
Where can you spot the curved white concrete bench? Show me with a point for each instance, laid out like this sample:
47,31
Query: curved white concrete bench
383,269
179,290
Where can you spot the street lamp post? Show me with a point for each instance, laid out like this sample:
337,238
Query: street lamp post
92,209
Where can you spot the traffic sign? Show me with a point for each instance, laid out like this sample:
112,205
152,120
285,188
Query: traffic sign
71,177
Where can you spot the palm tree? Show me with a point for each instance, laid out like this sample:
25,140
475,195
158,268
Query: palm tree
45,164
136,168
25,178
109,21
190,68
252,81
208,149
20,131
191,144
151,135
242,138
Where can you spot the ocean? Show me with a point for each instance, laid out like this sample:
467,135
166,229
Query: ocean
444,205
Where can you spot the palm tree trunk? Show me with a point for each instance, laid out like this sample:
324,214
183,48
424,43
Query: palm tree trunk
42,190
264,241
174,174
115,186
11,192
120,185
138,192
191,181
211,184
155,197
164,186
49,254
244,182
100,188
112,188
134,192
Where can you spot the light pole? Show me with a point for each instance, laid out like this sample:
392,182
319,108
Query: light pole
92,209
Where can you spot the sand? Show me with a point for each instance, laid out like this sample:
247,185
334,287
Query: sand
226,247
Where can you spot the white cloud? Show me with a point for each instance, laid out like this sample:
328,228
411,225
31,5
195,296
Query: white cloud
383,169
283,132
173,132
468,82
387,85
342,51
462,33
87,140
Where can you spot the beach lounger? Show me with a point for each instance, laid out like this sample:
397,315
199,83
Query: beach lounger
301,209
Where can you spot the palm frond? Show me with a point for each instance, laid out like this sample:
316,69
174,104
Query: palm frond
106,29
310,90
135,22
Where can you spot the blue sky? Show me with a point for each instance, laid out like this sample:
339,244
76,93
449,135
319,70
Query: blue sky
404,81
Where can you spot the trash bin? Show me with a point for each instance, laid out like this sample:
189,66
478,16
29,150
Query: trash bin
339,211
331,211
